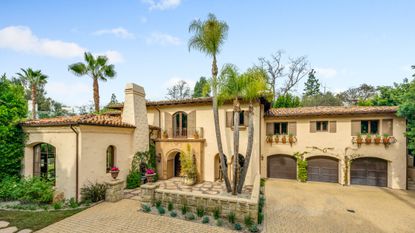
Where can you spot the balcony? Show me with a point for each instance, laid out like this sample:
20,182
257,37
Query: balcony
182,133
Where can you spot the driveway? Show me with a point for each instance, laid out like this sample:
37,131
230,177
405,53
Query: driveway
324,207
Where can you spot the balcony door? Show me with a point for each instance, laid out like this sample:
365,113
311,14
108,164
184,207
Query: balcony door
180,125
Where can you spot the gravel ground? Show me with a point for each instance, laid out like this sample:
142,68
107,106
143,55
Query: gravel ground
323,207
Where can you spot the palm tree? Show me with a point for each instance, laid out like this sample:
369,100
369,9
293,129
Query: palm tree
255,87
96,68
209,37
32,79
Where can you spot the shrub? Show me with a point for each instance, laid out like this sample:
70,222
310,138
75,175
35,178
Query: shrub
219,222
260,217
133,180
216,213
237,226
35,190
301,167
170,206
231,217
205,219
261,203
8,189
173,214
200,211
189,216
72,203
262,182
145,208
184,209
58,205
248,221
93,192
161,210
253,228
157,203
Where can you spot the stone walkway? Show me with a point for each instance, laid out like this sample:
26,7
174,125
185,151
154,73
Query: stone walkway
6,228
123,216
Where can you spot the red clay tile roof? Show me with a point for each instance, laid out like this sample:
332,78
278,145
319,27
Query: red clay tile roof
88,119
329,110
180,102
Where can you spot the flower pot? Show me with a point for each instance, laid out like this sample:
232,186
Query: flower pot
269,139
277,139
359,141
114,174
189,181
291,140
150,177
386,141
368,140
284,139
377,141
196,136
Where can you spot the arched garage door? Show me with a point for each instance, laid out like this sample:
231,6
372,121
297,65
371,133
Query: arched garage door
282,166
323,168
369,171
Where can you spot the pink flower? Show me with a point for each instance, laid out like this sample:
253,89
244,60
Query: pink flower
115,169
150,171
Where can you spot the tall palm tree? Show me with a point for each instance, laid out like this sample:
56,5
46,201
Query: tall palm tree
209,37
255,87
231,86
96,68
32,79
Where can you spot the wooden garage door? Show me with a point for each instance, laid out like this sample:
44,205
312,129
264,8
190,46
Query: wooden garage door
282,166
369,171
324,169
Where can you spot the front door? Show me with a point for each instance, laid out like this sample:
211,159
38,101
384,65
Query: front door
177,166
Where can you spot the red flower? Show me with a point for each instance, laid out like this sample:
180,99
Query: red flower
115,169
150,171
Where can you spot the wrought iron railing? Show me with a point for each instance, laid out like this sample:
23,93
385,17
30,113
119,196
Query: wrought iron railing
190,133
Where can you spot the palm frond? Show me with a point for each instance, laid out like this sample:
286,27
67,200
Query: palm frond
78,69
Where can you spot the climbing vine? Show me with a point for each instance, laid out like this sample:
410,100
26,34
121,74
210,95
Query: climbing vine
301,166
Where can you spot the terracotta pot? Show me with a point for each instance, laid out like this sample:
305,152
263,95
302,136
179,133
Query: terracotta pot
359,140
150,177
196,136
368,140
114,174
291,140
377,140
269,139
386,141
277,139
284,139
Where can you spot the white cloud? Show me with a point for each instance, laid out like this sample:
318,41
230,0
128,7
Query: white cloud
326,72
163,39
20,38
162,4
72,92
114,56
118,32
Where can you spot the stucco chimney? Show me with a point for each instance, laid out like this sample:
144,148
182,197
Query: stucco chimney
135,113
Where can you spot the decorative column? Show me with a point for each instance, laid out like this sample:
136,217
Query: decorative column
148,193
115,190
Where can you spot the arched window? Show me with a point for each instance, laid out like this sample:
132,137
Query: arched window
110,158
44,164
180,124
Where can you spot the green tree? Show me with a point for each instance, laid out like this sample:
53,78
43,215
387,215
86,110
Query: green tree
287,101
312,85
96,68
32,79
407,110
13,108
208,37
353,95
202,88
325,99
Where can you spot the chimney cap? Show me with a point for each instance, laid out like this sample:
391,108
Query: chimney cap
134,89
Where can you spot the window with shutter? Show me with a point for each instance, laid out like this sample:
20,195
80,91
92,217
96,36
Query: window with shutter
280,128
292,128
270,129
332,126
229,119
246,118
387,127
313,127
356,125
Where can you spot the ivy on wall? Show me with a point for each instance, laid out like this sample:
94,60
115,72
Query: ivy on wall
301,166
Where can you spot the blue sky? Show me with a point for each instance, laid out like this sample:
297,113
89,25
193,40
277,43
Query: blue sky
348,42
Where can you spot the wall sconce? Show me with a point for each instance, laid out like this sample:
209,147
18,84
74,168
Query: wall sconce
158,157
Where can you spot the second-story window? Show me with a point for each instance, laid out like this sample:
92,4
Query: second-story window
280,128
369,127
180,124
241,117
322,126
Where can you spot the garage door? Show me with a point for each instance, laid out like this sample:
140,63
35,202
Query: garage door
324,169
282,166
369,171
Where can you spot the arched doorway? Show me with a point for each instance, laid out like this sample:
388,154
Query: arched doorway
323,169
44,161
369,171
180,125
282,166
173,165
177,165
218,167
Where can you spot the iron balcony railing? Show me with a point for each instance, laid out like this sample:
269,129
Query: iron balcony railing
190,132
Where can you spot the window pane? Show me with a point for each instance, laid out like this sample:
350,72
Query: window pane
325,125
276,128
318,127
241,118
284,128
364,127
374,129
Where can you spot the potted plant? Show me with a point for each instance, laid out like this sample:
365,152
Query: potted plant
377,139
268,139
196,134
368,139
291,138
276,138
359,139
386,139
284,139
114,172
150,175
165,135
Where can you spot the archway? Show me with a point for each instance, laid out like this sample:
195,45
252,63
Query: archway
44,161
323,169
369,171
282,166
177,165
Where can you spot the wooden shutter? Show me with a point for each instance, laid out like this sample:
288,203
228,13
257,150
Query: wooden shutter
270,129
332,126
191,122
229,119
168,123
292,128
246,118
356,127
387,127
313,127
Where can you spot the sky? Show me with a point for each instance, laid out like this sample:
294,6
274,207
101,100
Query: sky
347,42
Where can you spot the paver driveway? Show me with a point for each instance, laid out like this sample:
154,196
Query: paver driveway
124,217
322,207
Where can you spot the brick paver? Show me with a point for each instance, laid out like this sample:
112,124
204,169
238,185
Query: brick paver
123,216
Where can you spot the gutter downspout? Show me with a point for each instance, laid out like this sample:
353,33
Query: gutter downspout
76,162
156,107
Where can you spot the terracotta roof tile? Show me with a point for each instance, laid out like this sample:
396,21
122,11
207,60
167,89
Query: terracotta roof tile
179,102
88,119
329,110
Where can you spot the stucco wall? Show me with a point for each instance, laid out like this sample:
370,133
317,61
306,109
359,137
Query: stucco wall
395,154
